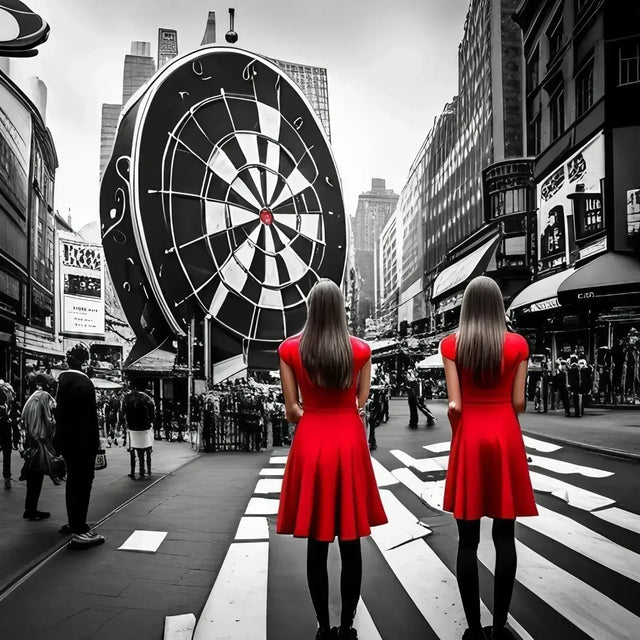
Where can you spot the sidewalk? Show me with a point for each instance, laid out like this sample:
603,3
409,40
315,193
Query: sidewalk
103,593
24,543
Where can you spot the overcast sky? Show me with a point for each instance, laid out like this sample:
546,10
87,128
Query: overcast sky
391,67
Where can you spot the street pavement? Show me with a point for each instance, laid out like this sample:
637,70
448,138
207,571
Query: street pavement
578,561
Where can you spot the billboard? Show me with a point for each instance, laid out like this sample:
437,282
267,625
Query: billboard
15,149
81,286
570,213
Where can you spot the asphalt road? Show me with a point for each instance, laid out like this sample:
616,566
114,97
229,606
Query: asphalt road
578,561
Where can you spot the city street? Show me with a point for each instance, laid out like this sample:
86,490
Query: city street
578,563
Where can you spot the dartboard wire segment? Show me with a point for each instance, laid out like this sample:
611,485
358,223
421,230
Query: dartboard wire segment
235,197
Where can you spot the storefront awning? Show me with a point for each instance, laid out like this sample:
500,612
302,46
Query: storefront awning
158,362
540,295
466,268
382,345
431,362
609,276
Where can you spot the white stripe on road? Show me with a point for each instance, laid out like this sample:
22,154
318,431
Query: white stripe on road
402,526
431,493
589,610
620,517
262,507
383,477
438,447
278,460
242,579
583,540
363,622
252,529
540,445
419,464
575,496
559,466
272,472
268,486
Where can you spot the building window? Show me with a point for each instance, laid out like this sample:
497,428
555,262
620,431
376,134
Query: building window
533,71
629,63
556,111
584,88
535,136
555,34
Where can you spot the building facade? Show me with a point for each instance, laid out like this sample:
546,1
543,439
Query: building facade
313,83
582,82
374,209
388,261
167,46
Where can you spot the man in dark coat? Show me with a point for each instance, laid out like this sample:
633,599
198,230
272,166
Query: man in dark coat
573,378
77,440
411,384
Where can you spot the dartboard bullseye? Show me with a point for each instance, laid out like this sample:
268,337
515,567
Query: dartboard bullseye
233,199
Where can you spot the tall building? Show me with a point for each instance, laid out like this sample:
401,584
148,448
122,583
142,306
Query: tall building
442,211
388,261
375,207
138,68
209,36
583,125
167,46
313,83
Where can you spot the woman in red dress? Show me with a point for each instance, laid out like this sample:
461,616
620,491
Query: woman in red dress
486,369
329,488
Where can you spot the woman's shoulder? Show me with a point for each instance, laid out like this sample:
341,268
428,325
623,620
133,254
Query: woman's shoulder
288,346
517,344
359,346
448,346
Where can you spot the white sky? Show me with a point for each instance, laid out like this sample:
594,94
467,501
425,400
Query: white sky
391,67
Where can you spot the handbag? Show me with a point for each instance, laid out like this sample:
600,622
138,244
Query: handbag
101,460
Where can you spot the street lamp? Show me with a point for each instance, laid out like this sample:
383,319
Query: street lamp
231,36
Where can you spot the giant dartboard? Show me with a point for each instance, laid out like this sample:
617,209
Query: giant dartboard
221,197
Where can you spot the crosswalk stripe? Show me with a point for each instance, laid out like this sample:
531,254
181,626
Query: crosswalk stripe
363,622
560,466
588,609
419,464
252,528
278,460
242,579
620,517
540,445
262,507
267,485
272,472
383,477
583,540
575,496
402,526
438,447
431,493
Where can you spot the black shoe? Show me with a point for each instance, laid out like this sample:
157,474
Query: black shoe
501,634
85,540
347,633
36,515
327,634
132,476
474,634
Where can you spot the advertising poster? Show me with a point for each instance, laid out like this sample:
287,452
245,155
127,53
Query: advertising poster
81,286
570,215
15,148
633,213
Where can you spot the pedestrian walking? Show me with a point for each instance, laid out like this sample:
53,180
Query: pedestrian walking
560,384
486,369
38,419
573,381
139,410
586,384
329,488
411,385
6,439
77,439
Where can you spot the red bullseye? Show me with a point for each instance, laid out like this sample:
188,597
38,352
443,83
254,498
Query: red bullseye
266,216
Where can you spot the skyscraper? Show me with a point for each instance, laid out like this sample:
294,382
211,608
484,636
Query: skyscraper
209,36
313,83
167,46
138,68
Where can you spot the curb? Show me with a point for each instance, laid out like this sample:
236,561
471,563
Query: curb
606,451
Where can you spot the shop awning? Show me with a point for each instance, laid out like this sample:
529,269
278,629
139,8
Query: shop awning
382,345
609,276
158,362
466,268
431,362
540,295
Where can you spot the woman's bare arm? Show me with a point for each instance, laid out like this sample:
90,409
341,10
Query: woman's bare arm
364,384
292,409
518,395
453,386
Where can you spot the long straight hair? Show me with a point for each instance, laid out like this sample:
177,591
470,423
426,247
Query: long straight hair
325,347
481,335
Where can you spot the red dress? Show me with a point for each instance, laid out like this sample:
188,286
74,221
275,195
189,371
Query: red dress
329,487
488,473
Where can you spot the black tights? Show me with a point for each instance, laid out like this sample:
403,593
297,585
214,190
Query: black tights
467,570
350,579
